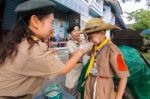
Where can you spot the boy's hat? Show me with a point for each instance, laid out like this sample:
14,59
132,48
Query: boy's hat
35,7
96,25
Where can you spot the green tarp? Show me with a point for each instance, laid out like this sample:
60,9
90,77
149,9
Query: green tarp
80,85
139,80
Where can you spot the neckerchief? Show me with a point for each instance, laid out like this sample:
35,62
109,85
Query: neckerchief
96,48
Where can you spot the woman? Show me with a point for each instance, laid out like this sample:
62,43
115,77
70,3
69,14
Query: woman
73,46
25,61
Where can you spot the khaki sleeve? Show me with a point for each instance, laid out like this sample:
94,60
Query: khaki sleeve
42,63
71,47
118,64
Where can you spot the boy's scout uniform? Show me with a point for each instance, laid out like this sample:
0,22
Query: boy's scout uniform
73,75
108,67
22,77
109,63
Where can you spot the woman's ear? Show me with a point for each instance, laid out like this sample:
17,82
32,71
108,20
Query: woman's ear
34,21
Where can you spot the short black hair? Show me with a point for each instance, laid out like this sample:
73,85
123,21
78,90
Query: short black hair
71,27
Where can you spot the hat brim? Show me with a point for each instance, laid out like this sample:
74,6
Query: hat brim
106,26
35,7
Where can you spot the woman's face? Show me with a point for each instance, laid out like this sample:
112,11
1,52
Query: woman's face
75,33
46,26
42,28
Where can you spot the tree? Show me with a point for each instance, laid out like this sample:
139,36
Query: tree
141,18
147,2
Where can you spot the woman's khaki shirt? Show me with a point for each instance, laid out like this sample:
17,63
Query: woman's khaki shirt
27,71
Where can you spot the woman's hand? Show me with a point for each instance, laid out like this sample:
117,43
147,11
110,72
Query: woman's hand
86,47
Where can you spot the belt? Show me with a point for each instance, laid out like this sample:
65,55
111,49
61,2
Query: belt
95,74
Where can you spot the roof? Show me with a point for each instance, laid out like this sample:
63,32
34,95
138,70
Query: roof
116,9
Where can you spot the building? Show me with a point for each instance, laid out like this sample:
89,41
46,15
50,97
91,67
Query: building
67,12
109,10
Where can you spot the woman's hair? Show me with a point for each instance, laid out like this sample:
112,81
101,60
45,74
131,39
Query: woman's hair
9,43
71,27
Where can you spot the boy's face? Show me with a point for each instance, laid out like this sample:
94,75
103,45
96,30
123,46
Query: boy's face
95,37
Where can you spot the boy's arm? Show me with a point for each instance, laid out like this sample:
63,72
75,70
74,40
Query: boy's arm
121,88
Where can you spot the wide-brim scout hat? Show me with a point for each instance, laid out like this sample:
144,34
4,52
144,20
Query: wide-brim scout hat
35,7
96,25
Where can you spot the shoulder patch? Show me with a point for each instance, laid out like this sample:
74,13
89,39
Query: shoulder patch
121,64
